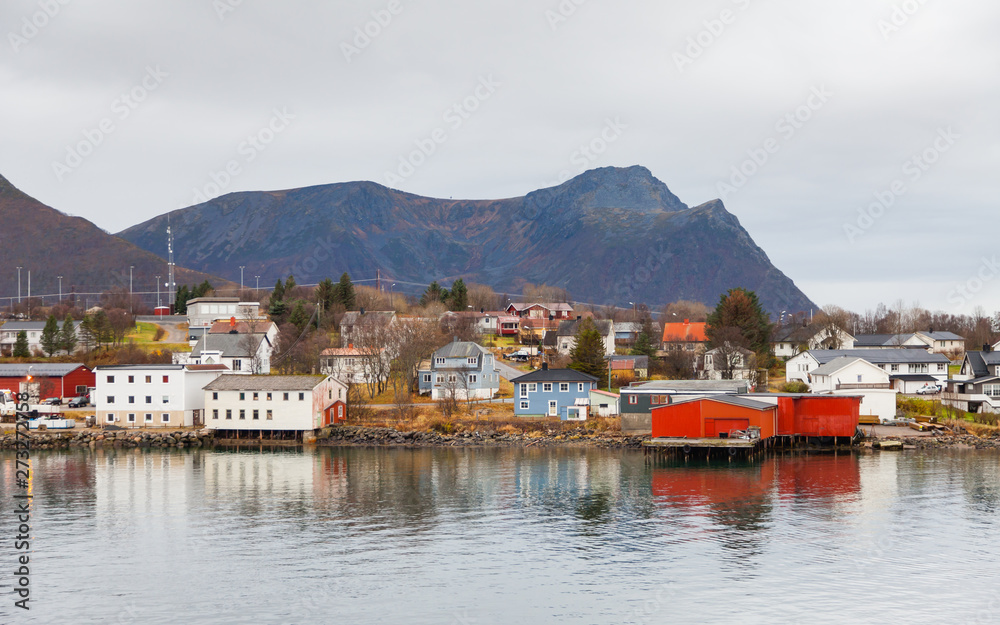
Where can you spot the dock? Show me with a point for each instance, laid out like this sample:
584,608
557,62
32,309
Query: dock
732,448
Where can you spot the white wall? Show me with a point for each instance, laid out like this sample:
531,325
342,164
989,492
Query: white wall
858,372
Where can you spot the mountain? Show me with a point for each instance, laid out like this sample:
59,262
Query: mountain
609,236
49,243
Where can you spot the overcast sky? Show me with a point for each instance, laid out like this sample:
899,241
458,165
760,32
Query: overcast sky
120,111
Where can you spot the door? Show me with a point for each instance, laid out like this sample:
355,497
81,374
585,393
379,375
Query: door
553,408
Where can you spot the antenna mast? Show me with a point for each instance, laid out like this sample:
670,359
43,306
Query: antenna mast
171,285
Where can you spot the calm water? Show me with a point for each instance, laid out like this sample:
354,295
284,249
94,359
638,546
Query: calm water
506,536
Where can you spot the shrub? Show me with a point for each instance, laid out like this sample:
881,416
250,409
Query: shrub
795,386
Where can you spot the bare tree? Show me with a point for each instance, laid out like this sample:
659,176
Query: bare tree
251,341
680,310
375,341
482,297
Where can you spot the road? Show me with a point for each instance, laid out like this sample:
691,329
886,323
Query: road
171,324
507,372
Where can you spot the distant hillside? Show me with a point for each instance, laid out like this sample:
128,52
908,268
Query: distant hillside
50,244
609,236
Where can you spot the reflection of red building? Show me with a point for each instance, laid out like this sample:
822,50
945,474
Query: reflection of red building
714,417
820,476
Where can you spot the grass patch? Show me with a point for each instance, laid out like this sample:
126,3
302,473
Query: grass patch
143,332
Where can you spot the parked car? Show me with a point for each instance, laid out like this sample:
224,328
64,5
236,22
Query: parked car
929,389
53,401
79,402
521,355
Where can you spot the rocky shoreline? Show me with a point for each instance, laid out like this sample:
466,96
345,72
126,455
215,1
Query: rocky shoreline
347,435
951,441
113,439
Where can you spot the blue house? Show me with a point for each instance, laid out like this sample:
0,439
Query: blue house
460,370
562,393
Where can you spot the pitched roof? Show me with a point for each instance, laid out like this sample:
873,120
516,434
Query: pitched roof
881,340
242,327
231,345
54,369
733,400
837,364
460,349
942,336
637,362
237,382
31,326
607,393
571,326
798,333
554,375
982,361
353,317
342,351
556,306
684,332
878,356
659,386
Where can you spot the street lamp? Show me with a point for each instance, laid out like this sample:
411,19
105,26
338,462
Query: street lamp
242,267
157,291
130,268
257,290
390,295
19,284
60,288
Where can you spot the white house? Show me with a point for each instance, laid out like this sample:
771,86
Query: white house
566,335
947,343
604,404
848,373
32,329
353,365
202,312
152,395
241,353
790,340
273,406
730,363
908,369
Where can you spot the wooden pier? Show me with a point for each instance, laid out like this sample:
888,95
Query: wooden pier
709,448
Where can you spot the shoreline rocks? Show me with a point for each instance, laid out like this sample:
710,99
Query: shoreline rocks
113,439
347,435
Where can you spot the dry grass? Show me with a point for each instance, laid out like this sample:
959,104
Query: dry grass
978,429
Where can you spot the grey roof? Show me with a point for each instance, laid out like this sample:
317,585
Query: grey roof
881,340
798,333
30,326
628,326
54,369
353,317
554,375
734,400
569,327
236,382
943,336
914,377
641,362
163,367
232,345
459,349
980,362
732,386
878,356
836,365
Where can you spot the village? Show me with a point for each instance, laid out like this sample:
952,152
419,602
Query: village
237,368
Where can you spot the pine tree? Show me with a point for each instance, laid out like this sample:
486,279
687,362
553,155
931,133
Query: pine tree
588,353
458,298
434,293
21,345
201,290
290,283
299,316
643,346
345,292
278,294
67,336
181,300
326,294
50,336
740,309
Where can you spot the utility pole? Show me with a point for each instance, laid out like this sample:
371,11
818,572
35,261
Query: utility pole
60,288
242,267
257,290
157,291
130,268
19,284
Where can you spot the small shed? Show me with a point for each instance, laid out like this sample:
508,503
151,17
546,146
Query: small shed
714,417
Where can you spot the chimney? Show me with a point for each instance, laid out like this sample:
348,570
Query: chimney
350,346
687,321
986,348
545,366
579,317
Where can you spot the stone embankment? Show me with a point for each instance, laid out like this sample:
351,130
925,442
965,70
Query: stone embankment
957,441
388,437
115,439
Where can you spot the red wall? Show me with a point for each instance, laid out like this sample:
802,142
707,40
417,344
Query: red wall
828,415
51,386
706,419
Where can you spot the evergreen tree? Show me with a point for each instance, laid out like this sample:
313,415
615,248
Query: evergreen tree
277,310
740,309
103,333
88,334
345,292
181,300
588,353
67,336
643,346
326,294
290,283
434,293
458,298
201,290
21,345
299,317
50,336
278,294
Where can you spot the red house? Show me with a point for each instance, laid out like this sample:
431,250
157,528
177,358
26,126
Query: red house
335,414
59,379
714,417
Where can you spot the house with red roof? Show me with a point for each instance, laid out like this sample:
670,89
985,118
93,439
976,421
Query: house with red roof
686,336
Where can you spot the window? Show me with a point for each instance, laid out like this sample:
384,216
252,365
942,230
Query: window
215,414
131,399
918,368
547,387
284,396
256,414
149,417
237,365
243,414
452,378
524,405
165,417
166,399
439,361
243,396
473,361
859,378
269,415
229,413
268,397
131,379
166,379
302,396
991,390
633,400
111,417
579,387
215,395
111,399
940,366
473,378
524,390
564,387
427,378
111,379
149,399
255,397
81,389
149,379
131,417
